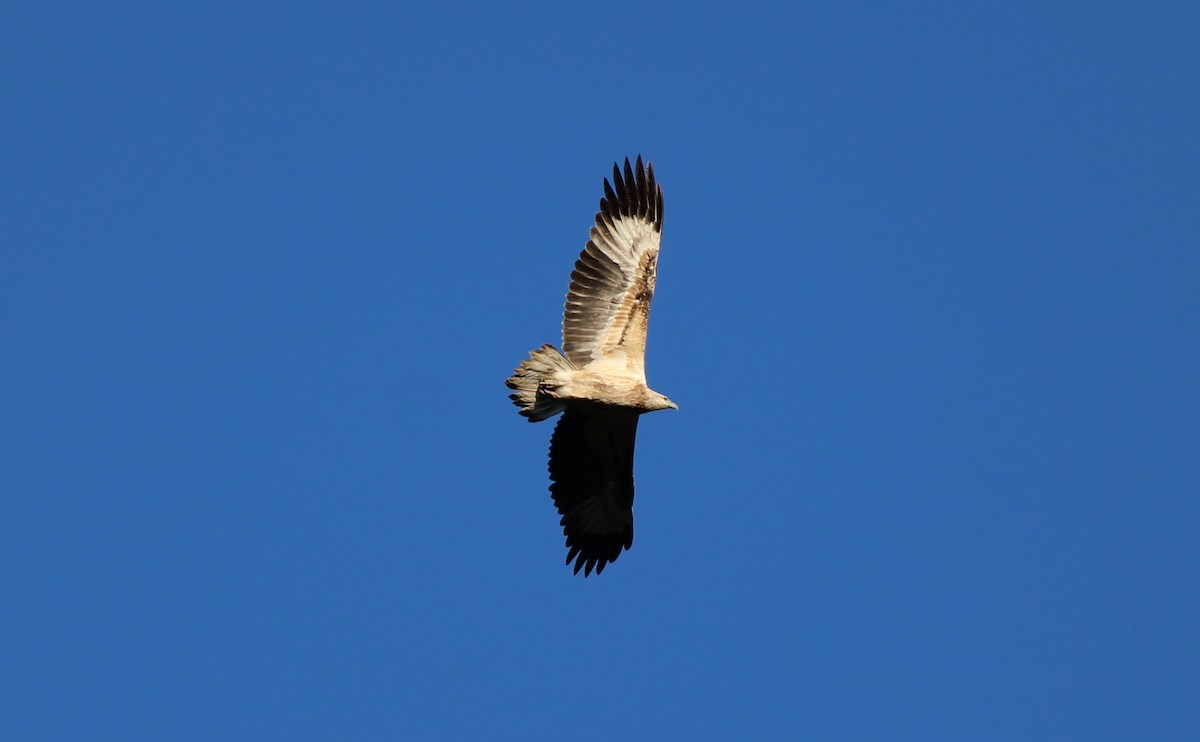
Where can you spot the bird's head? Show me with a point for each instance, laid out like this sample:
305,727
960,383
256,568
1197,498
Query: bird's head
660,402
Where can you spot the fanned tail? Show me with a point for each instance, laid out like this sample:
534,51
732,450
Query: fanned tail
531,378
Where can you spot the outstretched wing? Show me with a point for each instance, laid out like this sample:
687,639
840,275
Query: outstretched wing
608,303
591,468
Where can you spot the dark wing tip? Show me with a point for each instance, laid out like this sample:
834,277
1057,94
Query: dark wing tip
634,193
590,552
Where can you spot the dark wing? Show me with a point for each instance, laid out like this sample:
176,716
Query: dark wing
608,303
591,467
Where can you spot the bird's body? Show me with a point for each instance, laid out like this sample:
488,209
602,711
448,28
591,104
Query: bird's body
599,384
584,386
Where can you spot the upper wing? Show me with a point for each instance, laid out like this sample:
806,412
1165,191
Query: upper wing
591,466
608,303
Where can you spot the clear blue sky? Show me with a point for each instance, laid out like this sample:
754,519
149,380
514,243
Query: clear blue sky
929,301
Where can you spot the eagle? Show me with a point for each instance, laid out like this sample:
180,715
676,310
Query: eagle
598,381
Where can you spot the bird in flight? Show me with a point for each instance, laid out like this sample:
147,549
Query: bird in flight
598,381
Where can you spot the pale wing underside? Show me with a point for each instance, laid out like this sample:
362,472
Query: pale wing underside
591,466
608,303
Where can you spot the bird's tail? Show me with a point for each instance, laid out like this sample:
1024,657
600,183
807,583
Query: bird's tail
531,379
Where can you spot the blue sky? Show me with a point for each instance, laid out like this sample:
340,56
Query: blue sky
928,301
